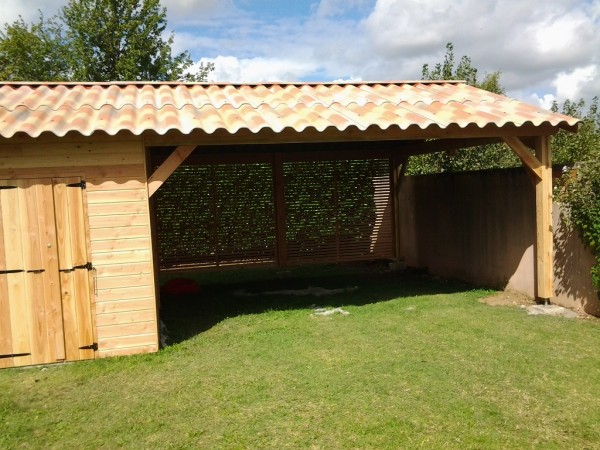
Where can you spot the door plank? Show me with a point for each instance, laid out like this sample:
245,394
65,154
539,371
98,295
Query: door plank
34,281
51,280
61,211
17,295
5,325
75,283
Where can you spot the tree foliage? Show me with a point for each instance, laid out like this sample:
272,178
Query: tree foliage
95,40
478,158
463,71
579,188
34,51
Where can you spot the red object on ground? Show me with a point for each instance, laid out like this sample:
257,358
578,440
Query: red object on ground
180,286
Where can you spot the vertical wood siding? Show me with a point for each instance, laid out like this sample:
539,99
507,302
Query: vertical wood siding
124,307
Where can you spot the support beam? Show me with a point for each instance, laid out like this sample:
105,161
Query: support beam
533,164
448,145
164,171
280,216
399,166
543,209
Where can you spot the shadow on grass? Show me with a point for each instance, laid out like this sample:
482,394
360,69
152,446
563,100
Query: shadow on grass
186,316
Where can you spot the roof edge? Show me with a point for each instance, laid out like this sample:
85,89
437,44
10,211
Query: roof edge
224,83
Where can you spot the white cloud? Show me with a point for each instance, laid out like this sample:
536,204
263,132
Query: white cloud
559,34
189,12
247,70
545,101
545,49
569,85
10,10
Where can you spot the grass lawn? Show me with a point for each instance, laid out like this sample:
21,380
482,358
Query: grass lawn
418,363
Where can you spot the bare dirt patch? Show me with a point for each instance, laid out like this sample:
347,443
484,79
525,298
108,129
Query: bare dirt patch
517,299
508,298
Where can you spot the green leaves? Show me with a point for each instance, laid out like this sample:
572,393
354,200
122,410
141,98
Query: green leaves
478,158
463,71
579,188
36,51
96,40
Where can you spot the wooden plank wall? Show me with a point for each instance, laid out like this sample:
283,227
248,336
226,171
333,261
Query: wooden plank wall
124,305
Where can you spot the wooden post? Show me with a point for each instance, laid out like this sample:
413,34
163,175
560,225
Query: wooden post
543,208
398,171
154,241
280,216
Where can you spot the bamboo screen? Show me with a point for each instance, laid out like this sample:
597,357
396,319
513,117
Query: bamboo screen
338,211
215,215
223,214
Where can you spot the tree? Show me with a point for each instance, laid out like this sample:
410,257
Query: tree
36,51
96,40
478,158
464,71
579,188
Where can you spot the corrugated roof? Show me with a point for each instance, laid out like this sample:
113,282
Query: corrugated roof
85,108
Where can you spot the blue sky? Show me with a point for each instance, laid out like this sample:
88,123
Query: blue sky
545,49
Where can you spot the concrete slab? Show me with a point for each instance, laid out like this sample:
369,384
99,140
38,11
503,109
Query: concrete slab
550,310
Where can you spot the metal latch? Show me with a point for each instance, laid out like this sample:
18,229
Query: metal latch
93,346
82,184
14,355
87,266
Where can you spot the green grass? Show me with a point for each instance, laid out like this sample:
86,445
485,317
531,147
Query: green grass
418,363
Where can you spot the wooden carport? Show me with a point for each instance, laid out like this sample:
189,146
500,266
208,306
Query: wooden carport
105,135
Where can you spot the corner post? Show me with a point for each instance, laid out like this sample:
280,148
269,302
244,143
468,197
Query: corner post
280,214
398,171
543,208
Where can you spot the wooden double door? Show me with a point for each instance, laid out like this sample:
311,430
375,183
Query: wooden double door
45,273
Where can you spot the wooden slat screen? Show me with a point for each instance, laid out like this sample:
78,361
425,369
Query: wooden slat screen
211,215
338,211
215,215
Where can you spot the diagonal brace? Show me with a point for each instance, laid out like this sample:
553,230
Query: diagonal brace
527,158
166,169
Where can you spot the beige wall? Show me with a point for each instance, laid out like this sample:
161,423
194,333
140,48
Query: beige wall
116,199
480,227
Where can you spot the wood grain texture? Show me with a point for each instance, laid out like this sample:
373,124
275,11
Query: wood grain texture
533,164
114,213
134,350
124,281
126,317
112,344
164,171
70,155
127,329
6,347
135,304
544,233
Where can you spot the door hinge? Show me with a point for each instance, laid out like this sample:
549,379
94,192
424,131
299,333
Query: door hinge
14,355
93,346
8,187
87,266
2,272
82,184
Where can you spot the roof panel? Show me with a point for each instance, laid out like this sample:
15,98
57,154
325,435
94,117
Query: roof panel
85,108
